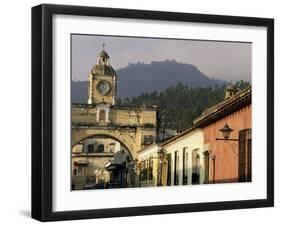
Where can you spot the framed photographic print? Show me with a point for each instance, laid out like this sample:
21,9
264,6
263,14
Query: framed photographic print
146,112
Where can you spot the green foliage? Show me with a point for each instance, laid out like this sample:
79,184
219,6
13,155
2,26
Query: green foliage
183,103
241,84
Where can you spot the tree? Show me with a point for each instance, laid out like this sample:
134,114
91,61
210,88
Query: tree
183,103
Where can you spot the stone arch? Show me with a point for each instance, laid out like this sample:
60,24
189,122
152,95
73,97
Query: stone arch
131,152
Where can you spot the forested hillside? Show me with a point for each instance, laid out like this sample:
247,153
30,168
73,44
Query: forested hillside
181,102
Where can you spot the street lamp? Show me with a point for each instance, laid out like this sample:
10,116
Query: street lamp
226,131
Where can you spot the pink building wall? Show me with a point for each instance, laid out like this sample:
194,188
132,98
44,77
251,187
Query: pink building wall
225,166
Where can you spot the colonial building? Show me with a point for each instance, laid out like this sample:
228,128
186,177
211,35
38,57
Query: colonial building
177,161
149,166
101,131
227,129
185,158
216,149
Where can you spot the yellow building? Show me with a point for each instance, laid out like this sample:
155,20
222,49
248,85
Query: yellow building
99,125
149,165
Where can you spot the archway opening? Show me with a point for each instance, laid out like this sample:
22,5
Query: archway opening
101,161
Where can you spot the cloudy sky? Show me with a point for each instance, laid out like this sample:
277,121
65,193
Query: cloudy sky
230,61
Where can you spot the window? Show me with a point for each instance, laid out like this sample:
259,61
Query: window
150,169
147,139
91,148
102,116
169,170
146,169
142,171
80,170
176,168
101,148
195,167
185,166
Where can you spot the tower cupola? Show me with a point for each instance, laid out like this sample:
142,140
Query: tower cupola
102,81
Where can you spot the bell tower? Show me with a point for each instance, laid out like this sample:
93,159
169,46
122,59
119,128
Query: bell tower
102,82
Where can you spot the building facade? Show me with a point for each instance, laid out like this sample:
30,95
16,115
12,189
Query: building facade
184,158
177,161
229,158
149,165
201,154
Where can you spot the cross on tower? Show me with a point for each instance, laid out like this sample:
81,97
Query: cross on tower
103,45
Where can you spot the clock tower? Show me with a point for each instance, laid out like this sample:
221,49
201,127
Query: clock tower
102,82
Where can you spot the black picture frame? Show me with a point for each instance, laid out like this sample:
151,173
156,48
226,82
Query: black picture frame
42,111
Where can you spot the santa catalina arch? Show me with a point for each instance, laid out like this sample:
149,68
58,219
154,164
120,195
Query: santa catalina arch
125,128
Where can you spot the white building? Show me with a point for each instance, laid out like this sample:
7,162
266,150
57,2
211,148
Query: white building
185,158
177,161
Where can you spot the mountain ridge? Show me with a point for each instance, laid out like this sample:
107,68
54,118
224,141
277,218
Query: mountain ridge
154,76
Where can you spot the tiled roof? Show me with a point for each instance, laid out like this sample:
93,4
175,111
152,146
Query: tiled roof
224,108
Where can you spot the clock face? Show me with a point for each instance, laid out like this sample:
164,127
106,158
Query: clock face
103,87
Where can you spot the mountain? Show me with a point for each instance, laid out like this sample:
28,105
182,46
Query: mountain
79,91
139,78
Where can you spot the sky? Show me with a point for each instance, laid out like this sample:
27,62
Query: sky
229,61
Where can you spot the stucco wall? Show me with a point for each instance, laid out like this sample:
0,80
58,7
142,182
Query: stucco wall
126,116
226,152
189,142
